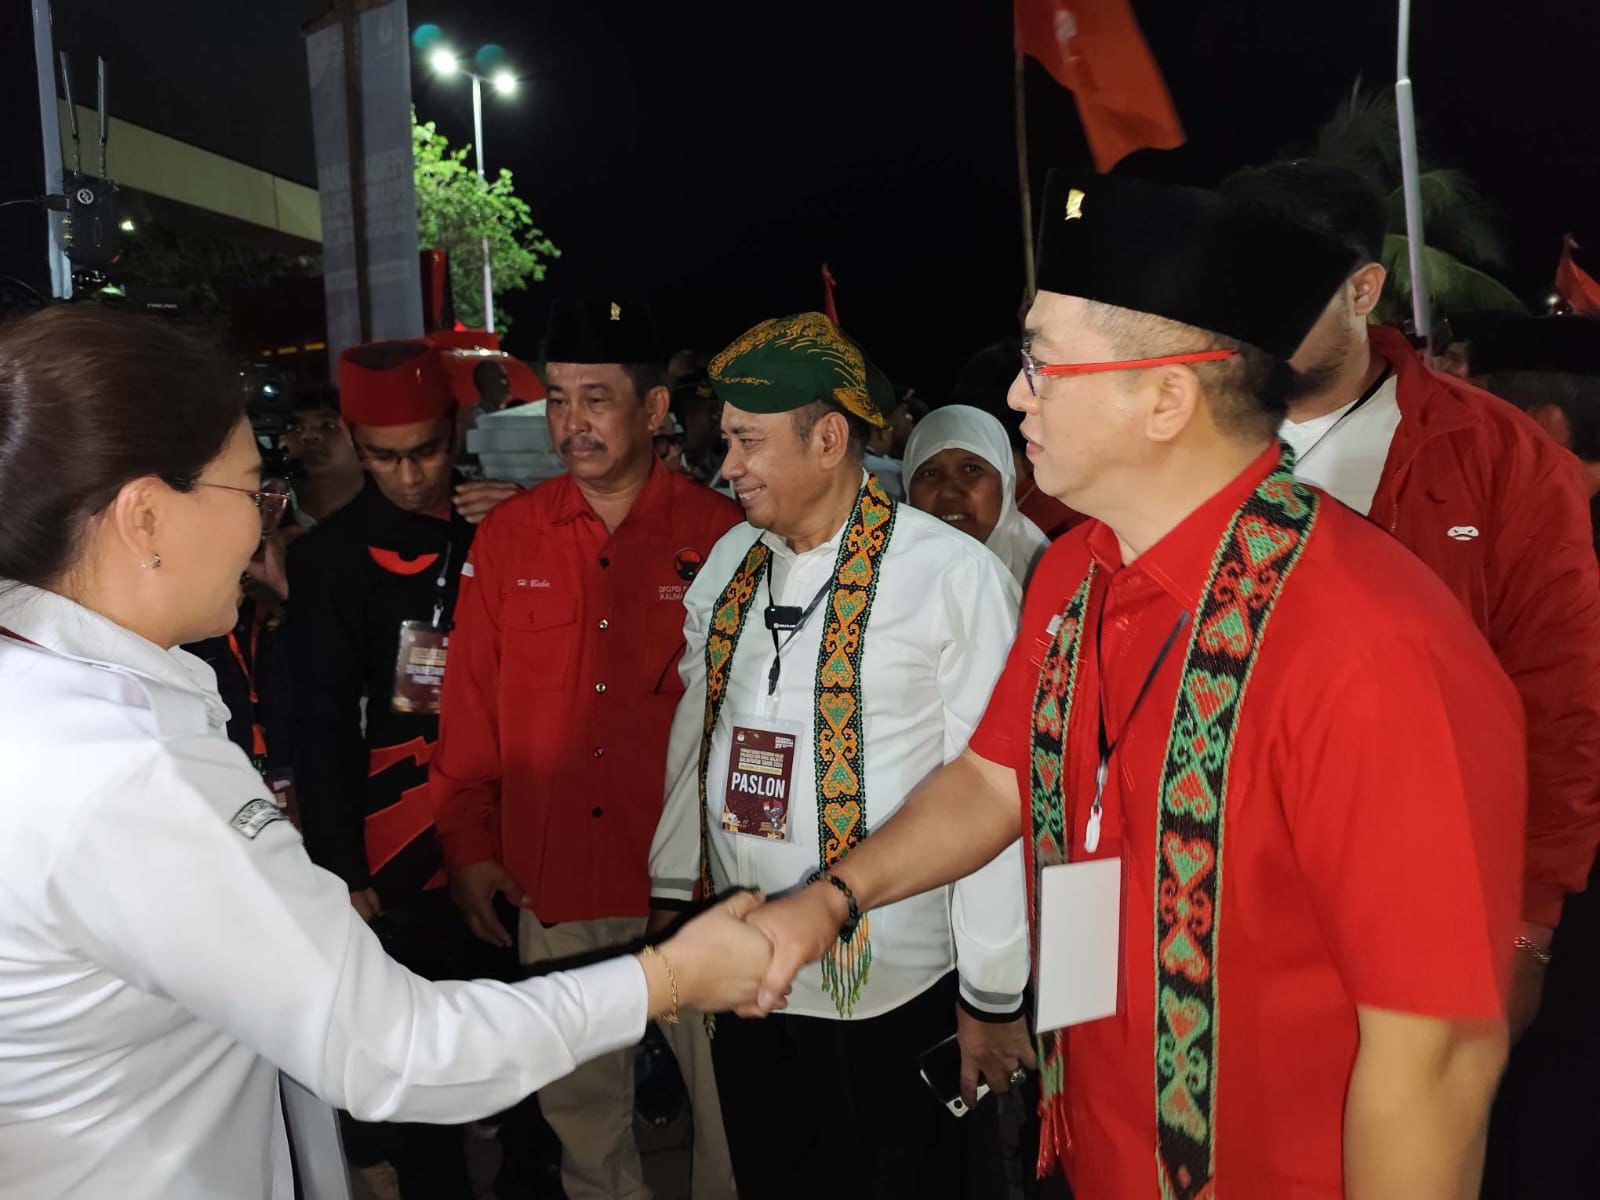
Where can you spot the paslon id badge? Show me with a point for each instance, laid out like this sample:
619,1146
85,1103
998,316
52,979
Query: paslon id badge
419,668
1080,942
760,781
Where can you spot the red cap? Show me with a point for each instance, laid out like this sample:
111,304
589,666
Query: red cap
393,383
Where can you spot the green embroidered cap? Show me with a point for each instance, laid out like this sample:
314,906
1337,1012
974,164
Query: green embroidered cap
790,362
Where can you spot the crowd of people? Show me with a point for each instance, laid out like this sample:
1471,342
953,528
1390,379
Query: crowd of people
890,758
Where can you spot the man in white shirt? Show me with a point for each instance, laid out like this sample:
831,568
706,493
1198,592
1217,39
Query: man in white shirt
840,648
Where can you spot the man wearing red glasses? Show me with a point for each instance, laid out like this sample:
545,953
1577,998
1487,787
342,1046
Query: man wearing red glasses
1259,759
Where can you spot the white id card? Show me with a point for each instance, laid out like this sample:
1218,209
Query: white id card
1080,935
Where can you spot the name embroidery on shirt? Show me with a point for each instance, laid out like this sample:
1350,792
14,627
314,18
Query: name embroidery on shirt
256,816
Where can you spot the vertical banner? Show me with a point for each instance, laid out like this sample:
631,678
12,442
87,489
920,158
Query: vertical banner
393,281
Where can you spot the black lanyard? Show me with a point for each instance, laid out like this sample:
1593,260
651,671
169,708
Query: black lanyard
791,619
1108,747
1372,391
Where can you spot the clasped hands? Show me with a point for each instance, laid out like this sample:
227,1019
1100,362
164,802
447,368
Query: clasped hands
743,954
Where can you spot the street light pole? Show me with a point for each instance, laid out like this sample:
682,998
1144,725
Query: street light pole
446,63
477,139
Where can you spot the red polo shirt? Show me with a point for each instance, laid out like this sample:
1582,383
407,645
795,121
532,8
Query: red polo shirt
560,689
1371,839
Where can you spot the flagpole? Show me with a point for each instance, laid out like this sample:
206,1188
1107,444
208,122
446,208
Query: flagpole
1421,310
1022,178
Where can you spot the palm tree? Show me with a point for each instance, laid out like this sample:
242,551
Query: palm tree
1462,240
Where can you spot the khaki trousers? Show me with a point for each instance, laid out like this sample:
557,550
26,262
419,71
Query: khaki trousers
591,1110
713,1168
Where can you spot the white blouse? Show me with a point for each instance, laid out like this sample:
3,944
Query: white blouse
167,948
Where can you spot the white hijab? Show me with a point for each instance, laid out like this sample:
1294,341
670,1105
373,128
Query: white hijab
1016,540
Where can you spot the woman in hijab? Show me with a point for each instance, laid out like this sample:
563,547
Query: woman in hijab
958,467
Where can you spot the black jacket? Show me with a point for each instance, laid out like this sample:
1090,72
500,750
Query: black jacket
352,581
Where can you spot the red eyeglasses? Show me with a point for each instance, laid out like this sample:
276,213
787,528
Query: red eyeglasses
1031,369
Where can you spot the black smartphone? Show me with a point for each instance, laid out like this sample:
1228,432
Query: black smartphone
941,1070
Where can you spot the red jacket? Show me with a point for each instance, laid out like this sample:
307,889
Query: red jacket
562,682
1476,489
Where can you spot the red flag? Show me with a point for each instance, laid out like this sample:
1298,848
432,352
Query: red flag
1576,286
1094,49
828,306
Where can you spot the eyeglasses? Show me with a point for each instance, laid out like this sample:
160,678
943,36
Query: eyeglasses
1032,369
392,460
271,500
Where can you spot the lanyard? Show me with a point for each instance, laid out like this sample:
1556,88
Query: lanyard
440,584
1372,391
1091,833
258,733
790,618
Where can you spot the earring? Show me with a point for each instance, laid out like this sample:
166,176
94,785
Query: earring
152,564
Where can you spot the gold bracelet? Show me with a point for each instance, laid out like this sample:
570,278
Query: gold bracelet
671,1018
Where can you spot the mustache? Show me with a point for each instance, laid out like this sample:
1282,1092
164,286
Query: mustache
568,445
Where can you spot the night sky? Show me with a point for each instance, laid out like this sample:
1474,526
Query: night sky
689,153
711,156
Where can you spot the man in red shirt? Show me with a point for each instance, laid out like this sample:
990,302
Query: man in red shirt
562,684
1547,1109
1259,761
1474,489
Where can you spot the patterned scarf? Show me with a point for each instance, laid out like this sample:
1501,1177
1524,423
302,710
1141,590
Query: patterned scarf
837,733
1262,544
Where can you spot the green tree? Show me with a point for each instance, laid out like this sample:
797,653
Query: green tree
1463,243
456,210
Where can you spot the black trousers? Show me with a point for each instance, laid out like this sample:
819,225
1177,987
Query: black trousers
1546,1116
425,932
817,1107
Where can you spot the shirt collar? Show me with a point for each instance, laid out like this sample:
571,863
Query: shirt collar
66,628
778,546
1180,563
652,507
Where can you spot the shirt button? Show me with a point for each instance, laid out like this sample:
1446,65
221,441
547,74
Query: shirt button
605,562
604,624
599,751
600,689
595,812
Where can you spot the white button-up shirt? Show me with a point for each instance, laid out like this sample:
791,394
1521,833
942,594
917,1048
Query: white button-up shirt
943,618
166,947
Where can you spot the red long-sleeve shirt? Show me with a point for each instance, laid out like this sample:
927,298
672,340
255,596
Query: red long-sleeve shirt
1475,489
560,689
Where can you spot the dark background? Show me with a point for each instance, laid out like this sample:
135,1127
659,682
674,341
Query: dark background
712,155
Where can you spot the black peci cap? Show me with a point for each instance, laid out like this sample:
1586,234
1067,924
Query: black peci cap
601,331
1187,255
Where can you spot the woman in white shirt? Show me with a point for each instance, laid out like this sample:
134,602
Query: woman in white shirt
166,947
959,468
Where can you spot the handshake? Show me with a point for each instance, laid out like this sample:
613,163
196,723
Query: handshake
743,954
740,955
